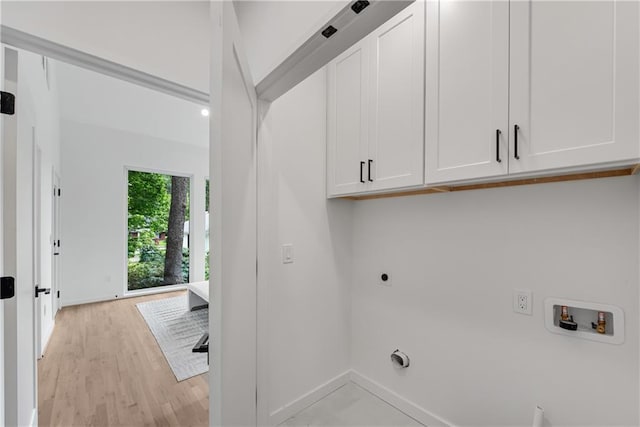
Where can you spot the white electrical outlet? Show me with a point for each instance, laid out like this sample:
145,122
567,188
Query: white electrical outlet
523,301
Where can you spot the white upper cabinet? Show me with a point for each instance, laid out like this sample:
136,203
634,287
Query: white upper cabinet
530,87
467,90
375,109
574,83
347,120
396,141
476,90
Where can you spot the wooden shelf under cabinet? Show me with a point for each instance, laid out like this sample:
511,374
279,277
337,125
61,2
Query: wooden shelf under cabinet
624,171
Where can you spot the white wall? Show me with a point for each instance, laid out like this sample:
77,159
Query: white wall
308,302
94,225
128,107
169,39
454,260
273,30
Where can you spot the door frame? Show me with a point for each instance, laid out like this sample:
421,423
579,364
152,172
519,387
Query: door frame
36,174
15,40
55,233
2,397
18,248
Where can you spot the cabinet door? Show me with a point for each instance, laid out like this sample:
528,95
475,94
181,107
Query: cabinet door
574,83
467,90
347,120
396,145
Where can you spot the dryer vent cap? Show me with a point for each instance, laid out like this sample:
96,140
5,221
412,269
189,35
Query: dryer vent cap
399,359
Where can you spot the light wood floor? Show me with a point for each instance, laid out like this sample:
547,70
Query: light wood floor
103,367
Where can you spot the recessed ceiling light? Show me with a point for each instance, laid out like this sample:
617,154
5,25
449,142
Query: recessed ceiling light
205,112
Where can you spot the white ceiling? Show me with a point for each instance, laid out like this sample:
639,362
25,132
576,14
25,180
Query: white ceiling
273,30
92,98
169,39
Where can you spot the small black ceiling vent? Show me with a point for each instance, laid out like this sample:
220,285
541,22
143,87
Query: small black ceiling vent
329,31
359,6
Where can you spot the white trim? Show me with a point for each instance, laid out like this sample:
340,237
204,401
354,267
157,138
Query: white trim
157,170
191,176
130,294
264,209
290,409
72,56
2,321
154,290
34,419
216,11
394,399
47,338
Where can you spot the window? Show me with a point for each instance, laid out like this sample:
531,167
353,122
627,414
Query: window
157,229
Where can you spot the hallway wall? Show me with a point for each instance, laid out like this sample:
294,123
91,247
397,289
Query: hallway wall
94,206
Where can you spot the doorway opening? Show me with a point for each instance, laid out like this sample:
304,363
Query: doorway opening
116,185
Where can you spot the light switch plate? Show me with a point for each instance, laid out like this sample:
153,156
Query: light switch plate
287,253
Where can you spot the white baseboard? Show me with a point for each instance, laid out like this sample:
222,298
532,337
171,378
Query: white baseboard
394,399
131,294
47,337
290,409
34,418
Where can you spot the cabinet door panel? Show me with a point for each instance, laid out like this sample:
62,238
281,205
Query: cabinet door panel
347,134
467,92
396,141
574,83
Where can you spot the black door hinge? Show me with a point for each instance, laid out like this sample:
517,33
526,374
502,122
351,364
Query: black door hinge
59,192
58,294
7,287
7,103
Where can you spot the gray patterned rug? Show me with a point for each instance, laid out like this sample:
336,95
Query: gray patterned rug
177,330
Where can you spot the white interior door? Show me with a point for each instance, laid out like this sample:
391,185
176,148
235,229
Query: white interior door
43,299
19,327
233,279
42,276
